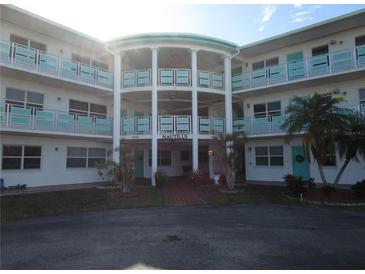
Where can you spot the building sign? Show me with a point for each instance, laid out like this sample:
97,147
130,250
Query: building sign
175,136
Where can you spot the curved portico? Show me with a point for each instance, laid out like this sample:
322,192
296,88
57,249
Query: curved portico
182,84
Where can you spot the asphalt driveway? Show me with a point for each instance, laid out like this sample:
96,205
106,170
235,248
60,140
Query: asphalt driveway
242,237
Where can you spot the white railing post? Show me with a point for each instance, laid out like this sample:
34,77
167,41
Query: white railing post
354,55
329,58
154,115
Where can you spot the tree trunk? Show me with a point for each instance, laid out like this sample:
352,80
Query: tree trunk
321,173
339,174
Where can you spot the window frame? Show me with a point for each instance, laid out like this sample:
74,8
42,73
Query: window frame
88,113
159,158
331,157
22,158
269,156
267,113
362,42
264,63
28,42
24,104
86,157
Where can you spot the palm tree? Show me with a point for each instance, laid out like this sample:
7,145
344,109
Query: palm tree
230,150
315,117
351,142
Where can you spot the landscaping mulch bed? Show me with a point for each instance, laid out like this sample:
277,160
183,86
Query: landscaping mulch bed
340,196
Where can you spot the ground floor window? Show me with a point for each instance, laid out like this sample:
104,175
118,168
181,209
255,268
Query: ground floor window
163,158
21,157
82,157
269,156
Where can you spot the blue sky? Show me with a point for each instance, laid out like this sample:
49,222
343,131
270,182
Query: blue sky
240,24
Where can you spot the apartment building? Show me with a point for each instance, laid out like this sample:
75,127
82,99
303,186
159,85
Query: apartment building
68,100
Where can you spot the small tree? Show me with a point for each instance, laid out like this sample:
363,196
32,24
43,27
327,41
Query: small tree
119,174
229,148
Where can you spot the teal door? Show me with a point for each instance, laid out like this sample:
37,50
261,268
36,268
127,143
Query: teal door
300,162
139,163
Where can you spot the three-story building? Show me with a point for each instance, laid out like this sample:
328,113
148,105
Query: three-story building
68,100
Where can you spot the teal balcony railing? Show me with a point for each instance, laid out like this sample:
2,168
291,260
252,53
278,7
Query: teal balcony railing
138,78
326,64
212,80
212,126
17,117
137,125
19,56
174,77
272,124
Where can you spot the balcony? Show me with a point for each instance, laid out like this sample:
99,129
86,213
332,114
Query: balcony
256,126
172,77
333,63
167,124
35,60
42,120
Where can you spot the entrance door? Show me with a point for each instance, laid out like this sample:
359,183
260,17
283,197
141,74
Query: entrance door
300,162
139,163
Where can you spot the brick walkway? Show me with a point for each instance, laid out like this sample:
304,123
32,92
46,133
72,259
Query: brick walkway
180,192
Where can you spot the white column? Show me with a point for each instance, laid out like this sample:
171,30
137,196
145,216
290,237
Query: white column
116,116
228,94
194,108
154,115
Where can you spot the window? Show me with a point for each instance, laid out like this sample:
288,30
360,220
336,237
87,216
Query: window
87,109
23,98
163,158
21,157
258,65
265,63
330,159
362,95
269,156
82,157
185,155
360,41
27,42
80,59
95,155
203,155
76,157
89,62
272,62
267,109
320,50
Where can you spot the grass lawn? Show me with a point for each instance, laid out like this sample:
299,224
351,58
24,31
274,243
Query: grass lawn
58,202
254,194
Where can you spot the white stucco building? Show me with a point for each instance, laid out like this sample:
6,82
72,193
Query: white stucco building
67,99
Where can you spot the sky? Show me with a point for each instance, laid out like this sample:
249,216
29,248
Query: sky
240,24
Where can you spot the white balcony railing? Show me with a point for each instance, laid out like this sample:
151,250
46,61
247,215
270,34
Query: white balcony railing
28,58
340,61
33,119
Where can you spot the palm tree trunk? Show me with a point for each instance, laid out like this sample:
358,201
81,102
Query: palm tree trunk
339,174
321,173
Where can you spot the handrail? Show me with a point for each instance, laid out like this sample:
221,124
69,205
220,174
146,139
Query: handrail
333,62
44,62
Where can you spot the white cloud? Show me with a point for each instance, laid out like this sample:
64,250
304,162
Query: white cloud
297,6
305,15
267,12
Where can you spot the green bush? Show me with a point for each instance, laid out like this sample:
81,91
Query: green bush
328,190
161,178
297,185
359,189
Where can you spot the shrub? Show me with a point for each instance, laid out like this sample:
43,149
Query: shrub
359,189
297,185
222,180
161,178
327,190
199,178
